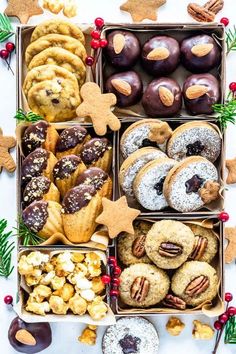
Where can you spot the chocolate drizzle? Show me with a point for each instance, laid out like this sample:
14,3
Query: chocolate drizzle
35,215
194,184
66,166
34,164
129,344
93,176
77,198
34,136
94,149
35,189
70,137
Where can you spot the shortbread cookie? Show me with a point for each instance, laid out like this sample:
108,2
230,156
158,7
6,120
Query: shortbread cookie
58,26
195,138
63,58
132,165
148,184
55,40
143,133
169,243
185,182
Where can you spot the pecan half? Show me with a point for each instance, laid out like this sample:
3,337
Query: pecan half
197,286
170,249
200,13
138,248
174,302
139,289
214,6
200,244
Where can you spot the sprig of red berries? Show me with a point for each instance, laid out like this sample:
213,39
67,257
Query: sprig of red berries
96,42
8,299
113,279
6,53
223,216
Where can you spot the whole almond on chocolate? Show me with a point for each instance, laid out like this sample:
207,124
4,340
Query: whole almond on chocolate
196,91
201,50
166,96
122,86
160,53
25,337
139,289
118,43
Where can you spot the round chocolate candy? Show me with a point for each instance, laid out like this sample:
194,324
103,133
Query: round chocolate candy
29,338
127,86
200,54
123,49
162,98
160,55
200,92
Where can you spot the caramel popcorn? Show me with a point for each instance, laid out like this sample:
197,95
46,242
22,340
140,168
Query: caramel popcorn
65,262
54,6
87,294
66,292
82,283
41,292
37,308
88,336
48,267
57,305
37,258
70,8
97,285
93,262
58,282
77,257
47,278
97,309
202,330
78,305
24,267
174,326
31,280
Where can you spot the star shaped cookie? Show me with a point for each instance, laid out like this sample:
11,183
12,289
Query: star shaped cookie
230,252
6,161
97,106
231,166
142,9
117,216
23,10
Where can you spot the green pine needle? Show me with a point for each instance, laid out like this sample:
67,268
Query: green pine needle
231,40
6,30
28,237
226,112
6,249
27,116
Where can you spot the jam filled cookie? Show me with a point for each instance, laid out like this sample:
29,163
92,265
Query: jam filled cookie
40,188
195,138
97,152
195,282
143,285
144,133
39,135
192,183
148,184
66,171
97,178
169,243
131,248
132,165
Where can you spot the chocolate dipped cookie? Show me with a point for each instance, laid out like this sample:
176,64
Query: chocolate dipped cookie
40,188
99,179
97,152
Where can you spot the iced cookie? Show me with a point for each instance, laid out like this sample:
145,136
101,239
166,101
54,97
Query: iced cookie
97,152
195,138
131,248
144,133
195,282
148,184
192,183
169,243
132,165
143,285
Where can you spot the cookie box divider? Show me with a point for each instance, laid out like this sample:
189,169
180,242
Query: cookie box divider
212,208
178,31
208,310
23,288
105,242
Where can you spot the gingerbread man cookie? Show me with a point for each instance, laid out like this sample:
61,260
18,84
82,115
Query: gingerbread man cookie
6,161
230,252
231,167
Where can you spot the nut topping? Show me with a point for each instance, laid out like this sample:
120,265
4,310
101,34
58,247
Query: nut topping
201,50
118,43
196,91
138,249
214,6
200,13
169,249
197,286
139,289
199,247
174,302
160,53
122,86
25,337
166,96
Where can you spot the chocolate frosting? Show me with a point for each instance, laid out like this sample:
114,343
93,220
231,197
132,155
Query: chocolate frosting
152,103
77,198
136,88
41,331
35,189
161,67
34,164
35,215
197,64
34,136
71,137
129,54
93,176
94,149
66,166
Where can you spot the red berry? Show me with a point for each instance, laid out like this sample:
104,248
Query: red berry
116,271
115,281
99,22
228,297
95,43
106,279
8,299
223,318
223,216
217,325
232,86
95,34
10,47
103,43
4,54
114,293
224,21
231,311
112,260
89,60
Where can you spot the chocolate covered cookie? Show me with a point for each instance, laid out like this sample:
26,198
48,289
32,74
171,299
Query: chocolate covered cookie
97,152
40,188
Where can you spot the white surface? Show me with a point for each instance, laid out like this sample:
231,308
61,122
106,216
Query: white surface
65,335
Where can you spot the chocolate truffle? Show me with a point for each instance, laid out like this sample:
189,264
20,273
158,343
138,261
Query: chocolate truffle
160,55
200,92
123,49
162,98
127,86
200,54
29,338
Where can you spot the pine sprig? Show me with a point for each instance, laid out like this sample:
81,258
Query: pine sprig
226,112
6,30
6,249
27,116
231,40
28,237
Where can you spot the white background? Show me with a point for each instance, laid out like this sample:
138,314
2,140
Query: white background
65,335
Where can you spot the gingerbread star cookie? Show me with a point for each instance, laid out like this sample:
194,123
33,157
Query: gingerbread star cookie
231,166
6,161
160,132
97,106
142,9
23,10
117,216
230,252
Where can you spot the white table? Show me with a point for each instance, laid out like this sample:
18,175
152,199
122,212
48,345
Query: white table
65,335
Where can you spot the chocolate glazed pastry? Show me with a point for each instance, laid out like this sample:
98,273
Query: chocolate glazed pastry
29,338
40,188
127,86
98,153
162,98
97,178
